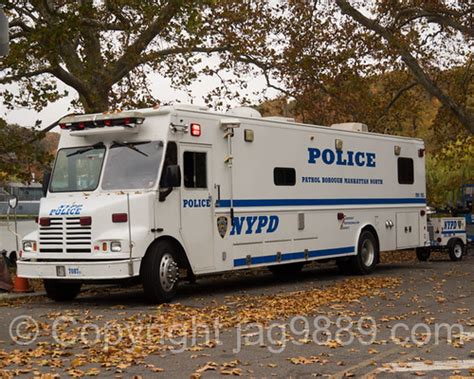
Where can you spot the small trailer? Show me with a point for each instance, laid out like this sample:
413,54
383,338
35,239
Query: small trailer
445,234
178,192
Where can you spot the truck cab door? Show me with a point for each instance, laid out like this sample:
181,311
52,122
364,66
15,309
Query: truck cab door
197,208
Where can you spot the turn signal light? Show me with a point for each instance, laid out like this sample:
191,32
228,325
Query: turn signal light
85,221
119,217
45,221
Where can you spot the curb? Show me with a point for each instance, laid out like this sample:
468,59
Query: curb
13,295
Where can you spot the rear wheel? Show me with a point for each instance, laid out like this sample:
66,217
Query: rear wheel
286,270
159,272
456,250
367,254
59,290
423,254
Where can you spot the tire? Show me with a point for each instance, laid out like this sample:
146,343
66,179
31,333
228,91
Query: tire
159,273
455,249
367,254
59,290
286,270
423,254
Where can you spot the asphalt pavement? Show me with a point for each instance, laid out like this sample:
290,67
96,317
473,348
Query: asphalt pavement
407,319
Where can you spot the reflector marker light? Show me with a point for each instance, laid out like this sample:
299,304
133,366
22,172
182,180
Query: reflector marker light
45,221
85,220
119,217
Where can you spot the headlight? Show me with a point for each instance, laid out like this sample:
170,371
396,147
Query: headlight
115,247
29,246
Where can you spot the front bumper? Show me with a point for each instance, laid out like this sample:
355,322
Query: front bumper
92,270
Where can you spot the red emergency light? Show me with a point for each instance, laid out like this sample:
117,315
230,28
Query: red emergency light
195,130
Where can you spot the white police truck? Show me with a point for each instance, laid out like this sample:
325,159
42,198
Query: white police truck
177,192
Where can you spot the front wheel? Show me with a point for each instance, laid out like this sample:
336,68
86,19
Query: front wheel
59,290
159,272
455,249
367,254
423,254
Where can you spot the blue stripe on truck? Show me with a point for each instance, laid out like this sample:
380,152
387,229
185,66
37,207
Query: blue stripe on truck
238,203
296,255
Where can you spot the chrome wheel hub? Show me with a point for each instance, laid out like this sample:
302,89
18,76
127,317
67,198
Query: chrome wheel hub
457,251
367,253
168,272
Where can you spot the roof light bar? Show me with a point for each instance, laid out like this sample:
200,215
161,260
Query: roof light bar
129,122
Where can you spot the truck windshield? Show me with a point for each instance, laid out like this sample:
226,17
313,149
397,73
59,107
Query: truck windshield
132,165
77,169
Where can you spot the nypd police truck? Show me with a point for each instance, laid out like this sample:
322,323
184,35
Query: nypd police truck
177,192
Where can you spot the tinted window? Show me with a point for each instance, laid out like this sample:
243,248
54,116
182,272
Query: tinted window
195,169
405,171
283,176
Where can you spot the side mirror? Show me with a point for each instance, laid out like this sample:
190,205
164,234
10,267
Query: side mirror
46,179
13,201
173,176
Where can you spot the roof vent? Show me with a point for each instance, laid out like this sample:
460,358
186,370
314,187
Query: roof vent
351,126
191,107
280,118
244,112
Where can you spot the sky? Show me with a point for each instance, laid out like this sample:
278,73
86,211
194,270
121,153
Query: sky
160,87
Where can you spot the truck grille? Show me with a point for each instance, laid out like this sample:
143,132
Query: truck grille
65,234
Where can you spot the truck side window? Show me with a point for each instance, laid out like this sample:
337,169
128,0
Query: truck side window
195,169
284,176
405,171
171,158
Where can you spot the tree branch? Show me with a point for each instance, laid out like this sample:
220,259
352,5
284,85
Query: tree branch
435,17
466,118
23,75
153,55
129,58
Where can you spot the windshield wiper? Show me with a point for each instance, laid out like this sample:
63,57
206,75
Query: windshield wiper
98,145
132,146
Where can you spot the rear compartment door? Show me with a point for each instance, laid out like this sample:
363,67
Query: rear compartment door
408,230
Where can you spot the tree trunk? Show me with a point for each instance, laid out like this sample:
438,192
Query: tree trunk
95,100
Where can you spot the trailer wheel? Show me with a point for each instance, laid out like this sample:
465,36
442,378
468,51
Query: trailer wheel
286,270
159,272
367,252
59,290
455,249
423,254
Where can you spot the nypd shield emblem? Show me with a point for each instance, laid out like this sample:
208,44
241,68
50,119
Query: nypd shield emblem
222,225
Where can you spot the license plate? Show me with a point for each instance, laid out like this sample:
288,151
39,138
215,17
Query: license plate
73,271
